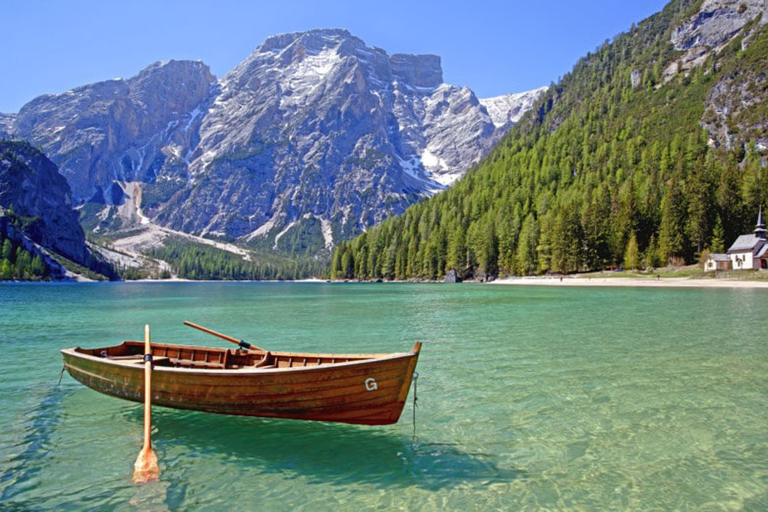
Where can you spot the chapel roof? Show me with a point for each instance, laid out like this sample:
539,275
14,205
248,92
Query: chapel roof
747,243
753,242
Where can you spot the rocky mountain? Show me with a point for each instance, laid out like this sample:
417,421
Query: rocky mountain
652,151
107,133
737,105
37,199
312,138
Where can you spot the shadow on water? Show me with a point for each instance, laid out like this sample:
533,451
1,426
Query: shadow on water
42,417
327,453
319,453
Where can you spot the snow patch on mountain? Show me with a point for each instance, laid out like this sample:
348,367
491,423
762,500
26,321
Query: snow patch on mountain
507,109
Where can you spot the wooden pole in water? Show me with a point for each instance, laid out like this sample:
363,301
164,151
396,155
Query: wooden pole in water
145,469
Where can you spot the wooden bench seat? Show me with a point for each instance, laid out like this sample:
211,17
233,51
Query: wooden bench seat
198,364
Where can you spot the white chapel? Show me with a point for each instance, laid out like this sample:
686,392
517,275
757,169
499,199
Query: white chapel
748,252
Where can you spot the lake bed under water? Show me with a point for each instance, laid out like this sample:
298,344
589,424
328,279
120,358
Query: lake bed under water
529,398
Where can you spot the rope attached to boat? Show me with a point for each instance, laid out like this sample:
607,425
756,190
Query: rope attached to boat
415,399
61,374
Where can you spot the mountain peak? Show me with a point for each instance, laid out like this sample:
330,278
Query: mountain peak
314,131
171,66
316,38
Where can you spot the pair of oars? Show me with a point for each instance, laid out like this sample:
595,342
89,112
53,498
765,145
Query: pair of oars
145,469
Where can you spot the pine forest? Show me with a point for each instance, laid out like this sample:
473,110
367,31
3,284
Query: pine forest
615,167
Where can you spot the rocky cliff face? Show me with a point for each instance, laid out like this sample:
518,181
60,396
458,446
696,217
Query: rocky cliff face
716,22
314,132
30,185
710,29
734,112
120,130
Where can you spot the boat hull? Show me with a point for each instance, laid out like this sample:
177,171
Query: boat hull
369,391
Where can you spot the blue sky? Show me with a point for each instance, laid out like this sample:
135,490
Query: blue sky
493,47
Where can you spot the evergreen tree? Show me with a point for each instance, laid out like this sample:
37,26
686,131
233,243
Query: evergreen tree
632,256
652,255
457,250
348,265
6,270
672,242
7,251
337,270
718,238
526,248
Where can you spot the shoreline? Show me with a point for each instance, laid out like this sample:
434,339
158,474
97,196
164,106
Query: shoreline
631,282
583,280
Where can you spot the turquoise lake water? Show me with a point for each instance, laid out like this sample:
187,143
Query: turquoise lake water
529,398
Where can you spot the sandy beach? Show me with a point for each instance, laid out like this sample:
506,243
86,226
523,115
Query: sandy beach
642,282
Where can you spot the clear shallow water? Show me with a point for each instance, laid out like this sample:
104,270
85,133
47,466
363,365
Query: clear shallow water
529,398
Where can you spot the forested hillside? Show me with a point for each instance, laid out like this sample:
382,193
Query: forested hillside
198,261
614,167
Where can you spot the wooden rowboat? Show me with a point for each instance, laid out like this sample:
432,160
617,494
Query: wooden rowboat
368,389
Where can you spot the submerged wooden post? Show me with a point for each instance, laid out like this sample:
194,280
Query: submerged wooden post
145,469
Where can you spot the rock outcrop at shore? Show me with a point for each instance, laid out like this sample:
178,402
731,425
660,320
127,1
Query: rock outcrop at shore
38,199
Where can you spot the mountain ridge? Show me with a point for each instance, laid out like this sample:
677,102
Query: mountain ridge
313,131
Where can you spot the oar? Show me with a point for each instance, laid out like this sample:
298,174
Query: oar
240,343
145,469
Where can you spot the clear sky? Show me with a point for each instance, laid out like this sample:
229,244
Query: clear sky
493,47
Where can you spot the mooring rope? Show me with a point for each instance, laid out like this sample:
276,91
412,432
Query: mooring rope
61,374
415,399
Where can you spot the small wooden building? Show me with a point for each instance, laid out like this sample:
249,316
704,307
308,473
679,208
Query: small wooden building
717,262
